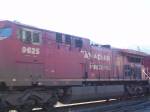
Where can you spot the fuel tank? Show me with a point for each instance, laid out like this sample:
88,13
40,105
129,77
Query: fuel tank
89,93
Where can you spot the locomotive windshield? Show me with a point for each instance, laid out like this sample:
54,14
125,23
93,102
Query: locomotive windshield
5,33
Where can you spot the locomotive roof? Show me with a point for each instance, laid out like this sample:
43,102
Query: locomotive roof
133,52
30,26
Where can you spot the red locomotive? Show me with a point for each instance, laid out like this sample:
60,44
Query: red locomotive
40,67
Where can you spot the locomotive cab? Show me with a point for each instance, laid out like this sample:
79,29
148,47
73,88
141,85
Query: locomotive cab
29,55
23,45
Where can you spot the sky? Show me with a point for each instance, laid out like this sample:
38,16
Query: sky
120,23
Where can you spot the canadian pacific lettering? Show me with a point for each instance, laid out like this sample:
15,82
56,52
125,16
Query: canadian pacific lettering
99,67
99,57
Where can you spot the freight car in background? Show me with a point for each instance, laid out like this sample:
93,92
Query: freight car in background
40,67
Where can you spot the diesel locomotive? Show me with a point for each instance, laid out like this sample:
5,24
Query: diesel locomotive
39,67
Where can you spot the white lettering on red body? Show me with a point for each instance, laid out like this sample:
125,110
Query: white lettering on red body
98,57
88,55
30,50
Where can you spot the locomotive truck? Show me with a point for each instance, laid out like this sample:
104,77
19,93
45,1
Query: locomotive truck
39,67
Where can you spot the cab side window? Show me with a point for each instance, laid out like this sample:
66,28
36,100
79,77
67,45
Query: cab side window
30,36
78,43
36,37
59,37
27,36
68,39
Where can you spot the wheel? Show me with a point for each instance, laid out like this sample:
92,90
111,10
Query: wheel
49,106
29,104
25,108
138,91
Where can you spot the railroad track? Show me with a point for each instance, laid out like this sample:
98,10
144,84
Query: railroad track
129,105
112,105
